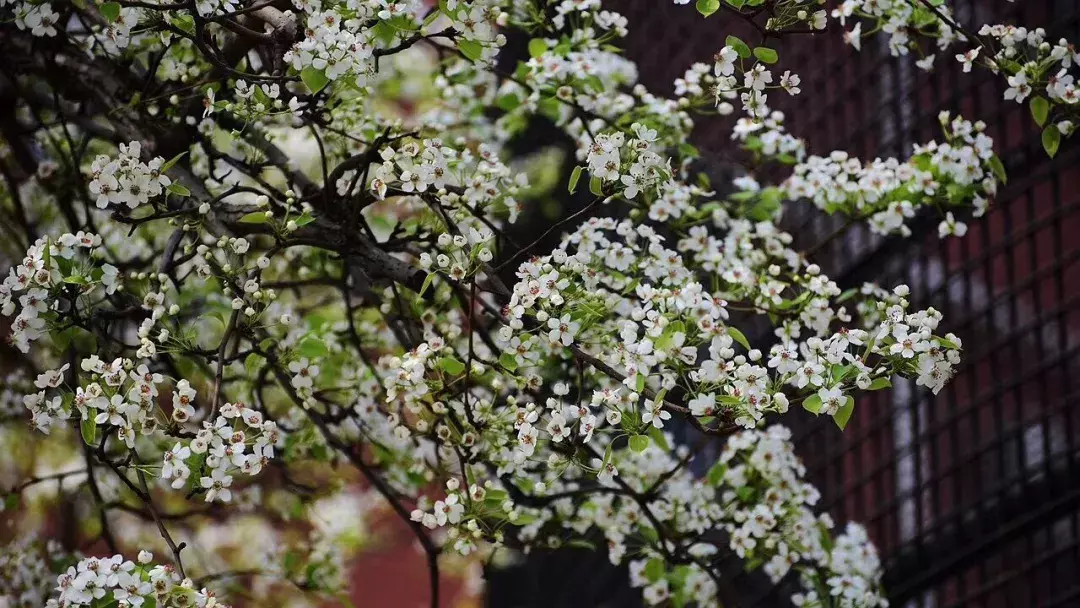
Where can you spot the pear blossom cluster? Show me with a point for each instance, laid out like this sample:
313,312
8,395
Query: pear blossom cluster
770,521
126,180
26,572
903,21
959,171
1036,70
757,79
120,395
335,47
238,441
479,182
783,14
53,273
115,34
127,583
38,17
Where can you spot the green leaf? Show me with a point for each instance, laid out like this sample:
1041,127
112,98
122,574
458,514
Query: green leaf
384,32
508,102
537,47
998,168
580,543
252,363
110,11
1040,109
508,361
654,569
596,186
639,443
740,47
79,4
739,337
550,107
658,438
812,404
184,22
304,219
471,49
839,372
76,280
716,473
708,7
178,189
314,80
1051,139
255,217
945,343
427,283
843,414
451,365
879,383
640,383
312,348
88,428
430,19
172,161
765,54
736,3
575,175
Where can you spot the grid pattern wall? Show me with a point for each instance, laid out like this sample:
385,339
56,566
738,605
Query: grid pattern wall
973,495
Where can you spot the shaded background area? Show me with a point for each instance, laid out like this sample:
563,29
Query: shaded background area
973,495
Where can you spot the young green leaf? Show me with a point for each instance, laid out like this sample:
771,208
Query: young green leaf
471,49
1051,139
740,47
171,162
998,168
739,337
766,55
708,7
537,47
255,217
313,347
812,404
575,175
654,569
110,11
314,79
508,361
639,443
427,283
843,414
596,186
88,428
879,383
658,438
451,365
178,189
716,473
1040,109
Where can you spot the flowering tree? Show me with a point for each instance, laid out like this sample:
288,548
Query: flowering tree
259,254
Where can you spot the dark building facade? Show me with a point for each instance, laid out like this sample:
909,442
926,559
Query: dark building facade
973,495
